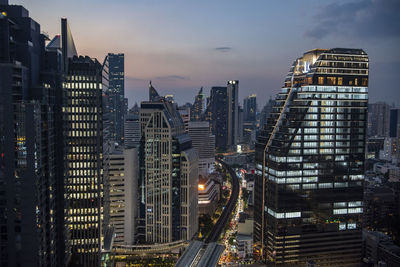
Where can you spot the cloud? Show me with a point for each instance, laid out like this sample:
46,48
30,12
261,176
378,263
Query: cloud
364,18
223,48
173,78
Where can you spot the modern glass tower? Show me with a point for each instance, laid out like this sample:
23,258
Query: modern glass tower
31,153
310,162
86,187
84,84
117,95
217,114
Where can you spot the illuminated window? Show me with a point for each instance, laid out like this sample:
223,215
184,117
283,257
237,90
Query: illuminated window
331,80
320,80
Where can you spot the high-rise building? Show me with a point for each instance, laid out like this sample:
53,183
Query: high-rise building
249,118
217,115
394,123
116,93
185,114
266,111
233,113
169,174
31,144
85,80
132,129
240,126
310,162
250,108
204,142
378,119
196,112
123,175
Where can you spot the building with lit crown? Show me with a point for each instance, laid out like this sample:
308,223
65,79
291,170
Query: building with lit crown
310,162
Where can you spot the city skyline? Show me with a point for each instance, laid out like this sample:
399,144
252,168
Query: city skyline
231,162
207,43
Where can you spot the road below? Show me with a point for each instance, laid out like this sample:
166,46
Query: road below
223,219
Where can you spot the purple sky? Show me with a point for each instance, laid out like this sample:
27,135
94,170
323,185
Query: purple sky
183,45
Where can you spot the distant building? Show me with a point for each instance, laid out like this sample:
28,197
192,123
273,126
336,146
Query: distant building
223,114
266,111
250,108
249,118
233,113
169,173
374,146
394,123
208,196
204,142
379,250
379,209
244,239
132,129
196,112
378,119
116,92
185,114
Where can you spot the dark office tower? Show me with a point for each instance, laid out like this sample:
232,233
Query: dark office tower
250,108
30,88
117,95
85,81
249,117
266,111
218,116
132,130
310,162
197,109
378,119
394,127
233,113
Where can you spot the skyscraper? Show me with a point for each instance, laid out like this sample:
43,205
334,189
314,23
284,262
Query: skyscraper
249,117
197,110
378,119
123,174
217,112
204,142
394,123
185,114
233,113
250,108
117,94
85,80
266,111
223,114
132,128
31,152
169,174
310,162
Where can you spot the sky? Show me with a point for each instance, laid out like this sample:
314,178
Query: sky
183,45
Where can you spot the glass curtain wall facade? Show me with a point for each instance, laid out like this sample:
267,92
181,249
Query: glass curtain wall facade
84,83
310,163
117,95
30,96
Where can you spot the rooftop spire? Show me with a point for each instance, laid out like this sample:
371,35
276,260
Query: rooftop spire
153,94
